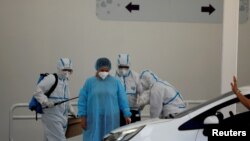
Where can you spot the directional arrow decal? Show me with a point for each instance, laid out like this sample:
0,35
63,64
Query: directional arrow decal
210,9
131,7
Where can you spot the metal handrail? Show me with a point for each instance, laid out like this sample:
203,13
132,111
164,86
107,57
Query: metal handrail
21,117
31,117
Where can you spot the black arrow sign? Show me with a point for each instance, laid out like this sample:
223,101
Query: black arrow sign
209,9
131,7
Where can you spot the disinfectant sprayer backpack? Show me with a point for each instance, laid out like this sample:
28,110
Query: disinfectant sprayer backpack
34,105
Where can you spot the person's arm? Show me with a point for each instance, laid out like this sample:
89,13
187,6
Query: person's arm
244,100
82,106
139,91
139,88
42,88
71,108
156,103
123,102
143,99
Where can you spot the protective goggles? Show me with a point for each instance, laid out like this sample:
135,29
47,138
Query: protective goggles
68,70
123,67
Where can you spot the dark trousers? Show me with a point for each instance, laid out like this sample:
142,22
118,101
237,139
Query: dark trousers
136,116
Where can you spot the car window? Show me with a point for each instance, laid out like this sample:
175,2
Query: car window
184,113
197,121
239,119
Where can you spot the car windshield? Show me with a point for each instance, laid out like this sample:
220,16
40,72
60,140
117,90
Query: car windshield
202,105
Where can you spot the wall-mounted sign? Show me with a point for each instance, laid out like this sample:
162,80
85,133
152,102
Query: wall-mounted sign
201,11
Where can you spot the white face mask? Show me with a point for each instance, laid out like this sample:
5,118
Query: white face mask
103,74
65,74
123,72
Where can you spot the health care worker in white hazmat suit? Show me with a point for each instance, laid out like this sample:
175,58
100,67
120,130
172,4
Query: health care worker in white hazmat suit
164,99
55,118
131,82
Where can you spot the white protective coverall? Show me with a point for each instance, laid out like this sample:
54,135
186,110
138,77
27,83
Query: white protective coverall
130,80
165,101
55,118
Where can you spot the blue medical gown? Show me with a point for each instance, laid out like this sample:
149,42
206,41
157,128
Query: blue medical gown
100,101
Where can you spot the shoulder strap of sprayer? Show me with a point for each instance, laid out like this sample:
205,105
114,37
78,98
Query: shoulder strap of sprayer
53,86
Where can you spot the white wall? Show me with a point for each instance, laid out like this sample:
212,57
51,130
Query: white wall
244,54
35,33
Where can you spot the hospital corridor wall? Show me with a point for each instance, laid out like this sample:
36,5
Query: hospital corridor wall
35,33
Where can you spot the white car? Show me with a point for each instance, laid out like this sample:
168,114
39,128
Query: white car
186,126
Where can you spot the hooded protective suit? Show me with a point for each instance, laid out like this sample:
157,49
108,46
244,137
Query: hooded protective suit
165,100
130,80
55,118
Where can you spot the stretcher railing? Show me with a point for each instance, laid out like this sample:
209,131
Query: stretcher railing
13,117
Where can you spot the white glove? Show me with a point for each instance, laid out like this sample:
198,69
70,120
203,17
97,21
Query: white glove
143,99
48,104
72,111
74,114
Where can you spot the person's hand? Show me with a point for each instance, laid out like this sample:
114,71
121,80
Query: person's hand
128,120
84,123
234,86
73,114
49,104
72,111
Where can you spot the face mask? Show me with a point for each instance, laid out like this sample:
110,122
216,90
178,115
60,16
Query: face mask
123,72
103,75
65,74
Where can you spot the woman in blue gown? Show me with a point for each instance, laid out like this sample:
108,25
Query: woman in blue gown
100,101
